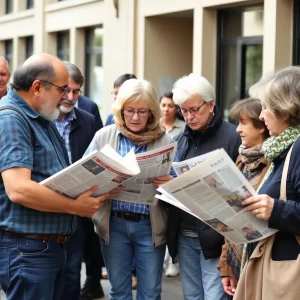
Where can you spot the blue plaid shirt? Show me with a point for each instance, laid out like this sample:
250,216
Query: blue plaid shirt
117,205
46,159
124,147
64,129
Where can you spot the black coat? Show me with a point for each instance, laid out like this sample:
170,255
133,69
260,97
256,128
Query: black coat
90,106
219,134
83,129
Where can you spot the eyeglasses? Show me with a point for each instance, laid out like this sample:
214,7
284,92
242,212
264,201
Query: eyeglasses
131,112
64,90
192,111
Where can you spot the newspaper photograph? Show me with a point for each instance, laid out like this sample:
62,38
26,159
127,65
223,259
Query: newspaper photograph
152,164
104,168
213,191
186,165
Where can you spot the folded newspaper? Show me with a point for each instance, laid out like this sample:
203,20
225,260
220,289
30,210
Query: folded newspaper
211,188
107,169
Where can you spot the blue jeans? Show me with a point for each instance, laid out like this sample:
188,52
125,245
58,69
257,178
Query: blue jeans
200,278
31,268
130,240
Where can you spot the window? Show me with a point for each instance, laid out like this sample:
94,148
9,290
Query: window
9,53
296,48
93,64
63,45
29,4
239,53
9,7
28,46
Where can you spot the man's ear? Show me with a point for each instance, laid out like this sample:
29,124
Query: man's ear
36,87
211,105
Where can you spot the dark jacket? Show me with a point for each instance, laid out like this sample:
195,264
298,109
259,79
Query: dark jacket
90,106
285,215
219,134
83,129
110,120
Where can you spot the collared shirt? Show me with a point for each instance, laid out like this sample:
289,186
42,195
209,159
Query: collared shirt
117,205
46,159
177,128
64,129
125,146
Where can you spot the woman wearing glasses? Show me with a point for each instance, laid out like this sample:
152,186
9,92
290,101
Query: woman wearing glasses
130,230
195,245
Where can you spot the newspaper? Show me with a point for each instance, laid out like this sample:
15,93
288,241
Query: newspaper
186,165
104,168
213,191
152,164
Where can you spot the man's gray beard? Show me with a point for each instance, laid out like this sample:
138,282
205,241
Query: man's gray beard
50,116
65,110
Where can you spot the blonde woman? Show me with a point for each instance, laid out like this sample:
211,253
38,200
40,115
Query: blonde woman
130,230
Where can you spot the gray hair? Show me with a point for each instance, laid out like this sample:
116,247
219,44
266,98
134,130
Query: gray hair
281,95
74,72
25,75
257,89
5,61
190,85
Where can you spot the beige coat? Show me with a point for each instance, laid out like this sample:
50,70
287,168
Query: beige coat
158,214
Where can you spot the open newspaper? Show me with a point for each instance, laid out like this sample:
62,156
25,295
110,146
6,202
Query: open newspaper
107,169
104,168
152,164
212,190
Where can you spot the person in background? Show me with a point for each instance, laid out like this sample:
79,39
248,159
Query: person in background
174,124
196,245
129,230
4,76
171,119
117,84
90,106
254,166
77,127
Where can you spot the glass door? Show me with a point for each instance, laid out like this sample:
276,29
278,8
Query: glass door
239,54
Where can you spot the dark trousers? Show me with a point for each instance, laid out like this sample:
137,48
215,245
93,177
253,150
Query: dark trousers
84,242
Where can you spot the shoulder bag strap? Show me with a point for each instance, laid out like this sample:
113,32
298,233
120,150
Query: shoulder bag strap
284,175
283,181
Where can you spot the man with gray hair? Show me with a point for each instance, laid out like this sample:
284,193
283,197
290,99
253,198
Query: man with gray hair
77,127
198,246
4,76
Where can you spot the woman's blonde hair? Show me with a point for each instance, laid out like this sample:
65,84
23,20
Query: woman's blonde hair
134,90
281,95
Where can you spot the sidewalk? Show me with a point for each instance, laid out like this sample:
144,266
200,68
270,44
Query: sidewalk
171,289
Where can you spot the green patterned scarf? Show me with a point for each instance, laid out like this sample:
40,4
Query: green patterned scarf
276,145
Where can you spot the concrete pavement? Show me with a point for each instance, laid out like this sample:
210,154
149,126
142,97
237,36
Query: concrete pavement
171,289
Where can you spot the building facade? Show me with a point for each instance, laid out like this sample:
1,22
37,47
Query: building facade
230,42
